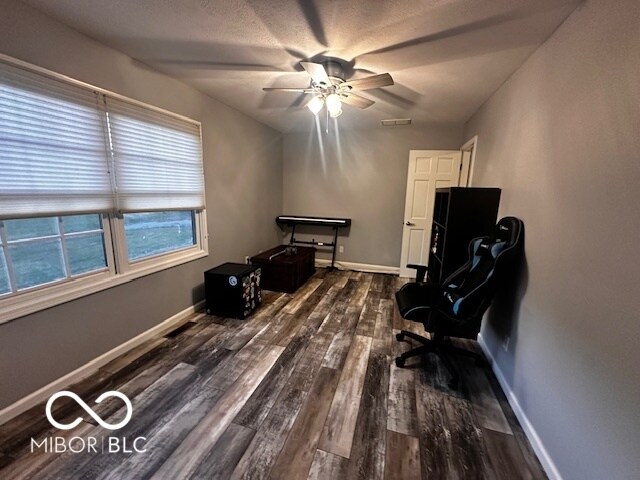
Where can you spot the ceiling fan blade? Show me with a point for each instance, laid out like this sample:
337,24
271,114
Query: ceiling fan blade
317,72
301,90
312,16
210,65
367,83
356,100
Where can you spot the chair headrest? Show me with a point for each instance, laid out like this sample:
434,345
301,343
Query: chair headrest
508,229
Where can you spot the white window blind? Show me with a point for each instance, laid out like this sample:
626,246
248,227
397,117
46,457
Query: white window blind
157,158
53,147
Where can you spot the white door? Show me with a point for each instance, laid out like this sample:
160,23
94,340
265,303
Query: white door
428,170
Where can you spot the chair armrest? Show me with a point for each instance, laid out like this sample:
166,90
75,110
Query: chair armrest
421,271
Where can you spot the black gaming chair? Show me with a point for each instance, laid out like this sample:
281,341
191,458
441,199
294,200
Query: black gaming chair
455,307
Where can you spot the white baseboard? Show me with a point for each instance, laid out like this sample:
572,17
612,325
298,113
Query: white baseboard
92,366
358,267
543,455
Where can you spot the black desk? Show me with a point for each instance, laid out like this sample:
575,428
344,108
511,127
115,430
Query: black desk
335,223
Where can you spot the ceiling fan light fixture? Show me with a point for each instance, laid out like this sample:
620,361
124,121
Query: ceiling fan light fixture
328,87
315,104
334,105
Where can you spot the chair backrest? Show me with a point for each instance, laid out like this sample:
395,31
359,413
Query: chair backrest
468,292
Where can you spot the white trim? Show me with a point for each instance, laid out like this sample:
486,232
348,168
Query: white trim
541,452
30,302
92,366
471,144
358,267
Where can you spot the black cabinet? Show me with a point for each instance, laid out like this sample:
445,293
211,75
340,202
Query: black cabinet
459,215
232,290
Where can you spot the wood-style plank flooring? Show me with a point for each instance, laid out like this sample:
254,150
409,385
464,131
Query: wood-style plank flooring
304,388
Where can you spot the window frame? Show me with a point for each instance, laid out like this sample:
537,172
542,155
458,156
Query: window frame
5,244
119,269
147,264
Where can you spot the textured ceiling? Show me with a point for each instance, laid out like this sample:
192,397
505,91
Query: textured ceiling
446,56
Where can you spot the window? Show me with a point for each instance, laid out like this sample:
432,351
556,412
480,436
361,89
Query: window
84,242
95,190
154,233
50,249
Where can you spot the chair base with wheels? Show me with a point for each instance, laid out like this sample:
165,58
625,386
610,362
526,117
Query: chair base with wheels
440,346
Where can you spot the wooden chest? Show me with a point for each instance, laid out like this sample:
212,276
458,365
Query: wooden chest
285,272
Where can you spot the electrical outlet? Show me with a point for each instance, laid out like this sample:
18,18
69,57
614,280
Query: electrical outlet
341,249
505,344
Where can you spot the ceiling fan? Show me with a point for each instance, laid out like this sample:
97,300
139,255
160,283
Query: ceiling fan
328,87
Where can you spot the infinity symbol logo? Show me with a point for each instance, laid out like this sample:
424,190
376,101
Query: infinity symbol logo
88,409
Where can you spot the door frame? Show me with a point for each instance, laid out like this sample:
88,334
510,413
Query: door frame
470,145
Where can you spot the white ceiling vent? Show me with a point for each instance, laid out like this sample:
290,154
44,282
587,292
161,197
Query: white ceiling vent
392,122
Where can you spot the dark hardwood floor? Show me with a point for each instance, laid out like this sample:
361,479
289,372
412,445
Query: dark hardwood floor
304,388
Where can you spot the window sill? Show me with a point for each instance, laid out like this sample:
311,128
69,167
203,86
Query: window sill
26,303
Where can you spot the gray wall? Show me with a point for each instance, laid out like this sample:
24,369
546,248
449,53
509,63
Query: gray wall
243,176
561,138
360,174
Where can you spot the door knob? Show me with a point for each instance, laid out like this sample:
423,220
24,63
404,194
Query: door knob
410,224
